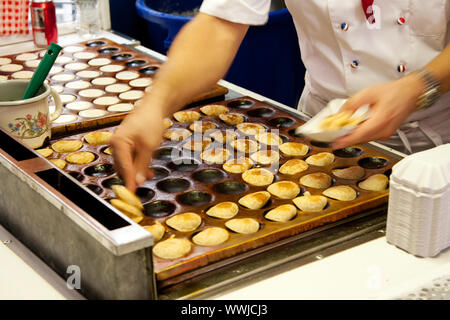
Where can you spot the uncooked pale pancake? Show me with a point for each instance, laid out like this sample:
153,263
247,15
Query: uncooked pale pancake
294,149
177,134
76,66
82,157
60,163
127,196
238,165
80,84
376,182
223,210
3,78
141,82
202,126
63,59
11,67
282,213
353,172
99,62
245,145
26,56
167,123
197,144
213,109
172,248
32,63
4,61
231,118
342,193
268,138
126,208
85,55
112,68
320,159
92,113
310,203
79,105
89,74
64,146
293,166
131,95
57,89
186,116
127,75
121,107
265,157
250,128
318,180
243,225
24,74
223,136
98,137
255,201
284,189
217,156
258,177
184,222
106,101
117,88
157,230
211,237
55,70
91,93
73,49
103,81
65,118
63,77
66,98
46,152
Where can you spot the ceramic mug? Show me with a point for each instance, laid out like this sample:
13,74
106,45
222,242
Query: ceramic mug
28,119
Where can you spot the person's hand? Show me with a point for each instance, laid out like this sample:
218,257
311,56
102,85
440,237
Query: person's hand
133,143
391,103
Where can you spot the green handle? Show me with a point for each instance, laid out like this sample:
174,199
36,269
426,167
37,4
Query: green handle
42,70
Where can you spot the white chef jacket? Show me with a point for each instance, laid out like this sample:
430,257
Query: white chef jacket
343,53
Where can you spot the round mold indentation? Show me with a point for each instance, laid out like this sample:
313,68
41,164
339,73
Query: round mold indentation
113,181
208,175
230,187
240,104
136,63
195,198
122,56
96,189
109,50
97,43
165,153
321,144
349,152
159,208
100,170
159,172
292,133
145,194
261,112
183,165
282,122
173,185
373,163
285,139
149,70
78,176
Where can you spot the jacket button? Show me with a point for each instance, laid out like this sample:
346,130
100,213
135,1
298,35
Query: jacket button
401,68
354,64
344,26
401,20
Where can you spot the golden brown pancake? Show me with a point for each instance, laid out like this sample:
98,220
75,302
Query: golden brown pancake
318,180
186,116
211,237
245,145
213,109
83,157
293,166
157,230
197,144
243,225
172,248
98,137
259,177
284,189
341,193
265,157
64,146
310,203
184,222
294,149
218,155
353,172
268,138
177,134
231,119
45,152
320,159
223,136
223,210
376,182
250,128
202,126
167,124
339,120
238,165
255,200
127,209
127,196
60,163
108,151
282,213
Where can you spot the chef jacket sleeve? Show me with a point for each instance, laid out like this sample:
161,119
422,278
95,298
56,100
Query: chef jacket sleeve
252,12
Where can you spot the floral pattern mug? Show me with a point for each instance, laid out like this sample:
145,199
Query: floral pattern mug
28,119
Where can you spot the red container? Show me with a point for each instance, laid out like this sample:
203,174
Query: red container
43,21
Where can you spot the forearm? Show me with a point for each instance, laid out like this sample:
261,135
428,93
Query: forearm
439,67
199,56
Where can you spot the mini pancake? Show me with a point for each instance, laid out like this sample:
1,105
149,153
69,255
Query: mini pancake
250,128
92,113
282,213
238,165
99,62
79,84
131,95
197,144
259,177
186,116
63,146
126,208
63,59
245,145
3,78
269,138
112,68
117,88
284,189
184,222
231,118
103,81
25,74
157,230
98,137
89,74
66,98
60,163
57,89
295,149
293,166
340,120
63,77
320,159
127,196
127,75
255,201
243,225
310,203
223,136
91,93
376,182
4,61
79,105
55,70
341,193
211,237
141,82
223,210
32,63
85,55
177,134
82,157
108,151
167,123
213,109
46,152
353,172
318,180
26,56
106,101
217,156
172,248
65,118
76,66
73,49
12,67
121,107
202,126
265,157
